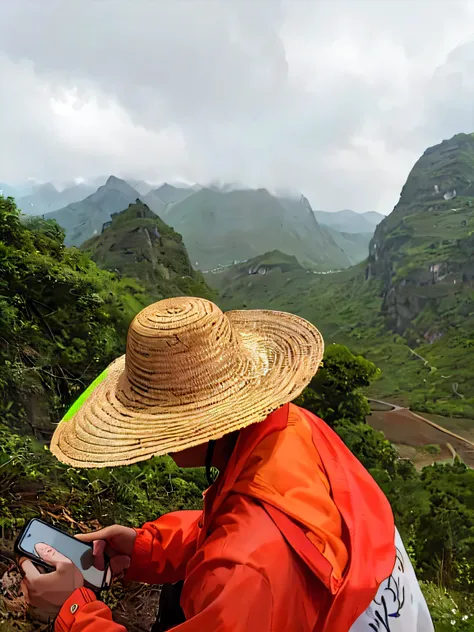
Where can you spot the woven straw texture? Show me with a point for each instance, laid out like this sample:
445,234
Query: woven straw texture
190,374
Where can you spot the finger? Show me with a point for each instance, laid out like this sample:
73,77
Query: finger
35,601
119,564
29,569
21,560
23,590
102,534
44,584
98,548
42,604
50,555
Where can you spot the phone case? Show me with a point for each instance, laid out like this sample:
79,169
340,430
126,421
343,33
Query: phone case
21,553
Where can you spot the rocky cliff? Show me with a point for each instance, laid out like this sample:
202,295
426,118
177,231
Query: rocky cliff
424,251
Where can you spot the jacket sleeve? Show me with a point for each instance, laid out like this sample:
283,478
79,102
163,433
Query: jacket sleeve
227,598
83,613
224,599
164,547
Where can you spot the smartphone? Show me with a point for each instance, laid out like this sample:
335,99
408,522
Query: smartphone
80,553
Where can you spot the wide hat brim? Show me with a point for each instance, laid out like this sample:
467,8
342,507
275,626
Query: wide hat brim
107,430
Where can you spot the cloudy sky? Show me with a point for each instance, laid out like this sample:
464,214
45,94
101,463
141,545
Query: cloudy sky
334,98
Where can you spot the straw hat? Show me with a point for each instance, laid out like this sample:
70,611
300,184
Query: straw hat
190,374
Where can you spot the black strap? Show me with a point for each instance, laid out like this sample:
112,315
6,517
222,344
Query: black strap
170,613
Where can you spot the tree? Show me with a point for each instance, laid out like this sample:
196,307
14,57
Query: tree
335,391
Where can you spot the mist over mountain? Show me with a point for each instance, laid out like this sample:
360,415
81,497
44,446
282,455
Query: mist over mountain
221,223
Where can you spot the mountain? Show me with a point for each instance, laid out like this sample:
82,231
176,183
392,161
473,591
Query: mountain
355,245
170,194
140,186
349,221
41,200
374,217
222,227
410,307
20,189
156,204
45,198
7,190
138,244
162,198
262,265
81,220
423,253
75,193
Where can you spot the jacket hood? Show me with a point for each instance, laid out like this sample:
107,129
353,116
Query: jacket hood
285,471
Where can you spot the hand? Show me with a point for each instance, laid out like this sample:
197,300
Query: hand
48,591
116,541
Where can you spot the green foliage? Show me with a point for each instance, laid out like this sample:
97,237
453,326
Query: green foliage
33,482
336,387
347,309
61,320
432,448
449,611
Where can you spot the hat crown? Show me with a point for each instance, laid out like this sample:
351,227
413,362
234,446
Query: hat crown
178,349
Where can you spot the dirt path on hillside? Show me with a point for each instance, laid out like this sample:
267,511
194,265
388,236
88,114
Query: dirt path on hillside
402,426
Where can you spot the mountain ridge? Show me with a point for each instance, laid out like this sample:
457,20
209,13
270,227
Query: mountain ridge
138,244
220,227
81,220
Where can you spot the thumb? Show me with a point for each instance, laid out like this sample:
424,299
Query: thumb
50,555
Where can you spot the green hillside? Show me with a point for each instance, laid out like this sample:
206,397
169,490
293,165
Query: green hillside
138,244
344,306
409,308
222,227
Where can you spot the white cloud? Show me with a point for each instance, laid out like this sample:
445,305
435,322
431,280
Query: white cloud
334,98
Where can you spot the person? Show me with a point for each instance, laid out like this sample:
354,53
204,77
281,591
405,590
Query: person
294,533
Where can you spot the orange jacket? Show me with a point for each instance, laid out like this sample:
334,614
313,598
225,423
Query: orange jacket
281,543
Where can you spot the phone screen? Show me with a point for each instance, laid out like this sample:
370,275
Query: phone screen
78,552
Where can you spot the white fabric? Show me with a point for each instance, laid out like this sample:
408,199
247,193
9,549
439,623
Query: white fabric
399,605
